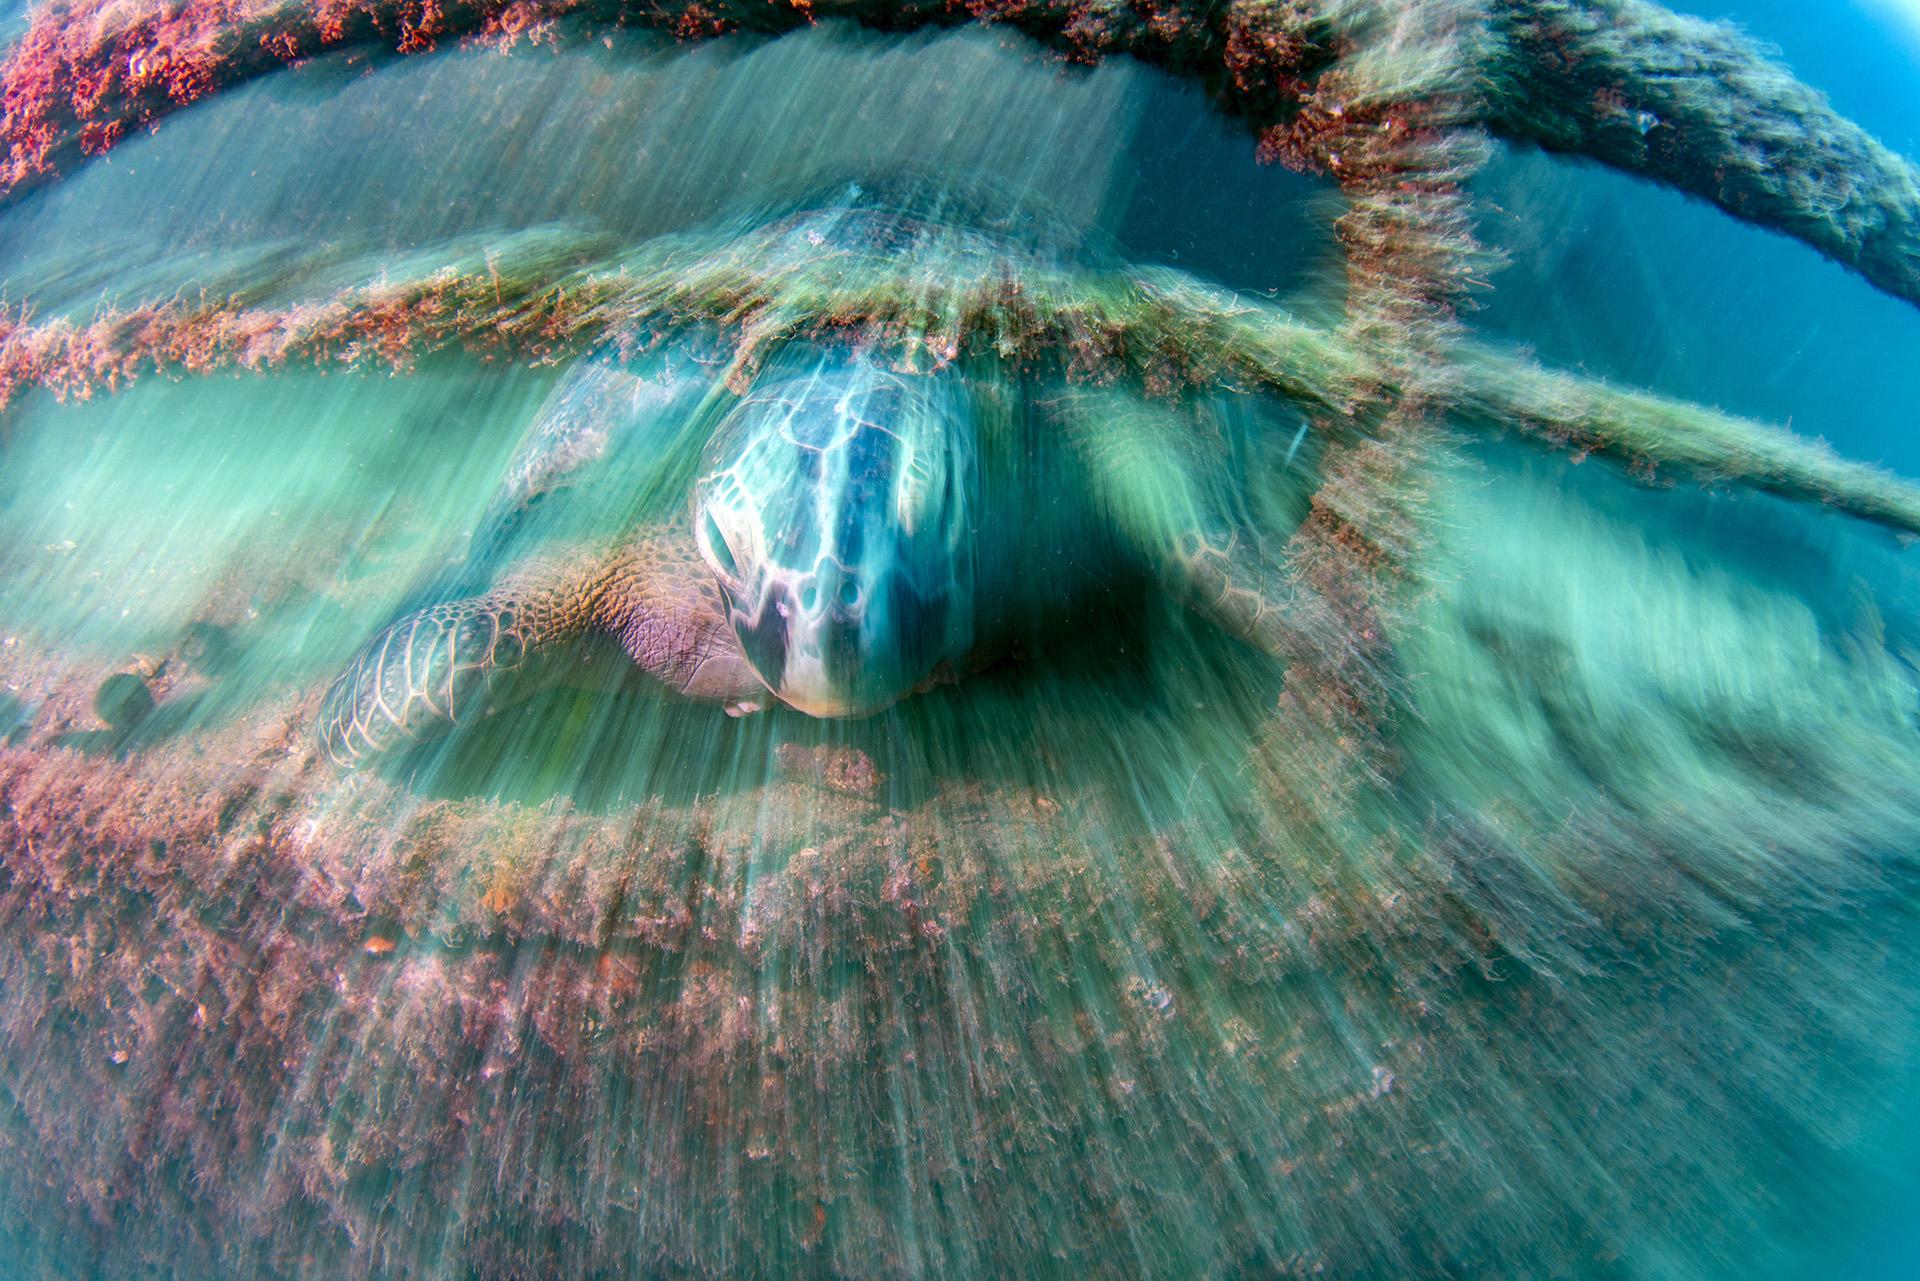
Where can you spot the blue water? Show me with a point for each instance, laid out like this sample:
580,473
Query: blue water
1867,60
1765,327
1855,367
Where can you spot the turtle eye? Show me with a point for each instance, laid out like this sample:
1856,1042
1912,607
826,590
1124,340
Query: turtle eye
718,550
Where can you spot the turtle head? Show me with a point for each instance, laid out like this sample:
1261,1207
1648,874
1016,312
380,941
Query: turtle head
837,511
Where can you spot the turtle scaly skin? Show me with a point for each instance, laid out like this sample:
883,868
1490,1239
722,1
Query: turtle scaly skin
446,664
1149,479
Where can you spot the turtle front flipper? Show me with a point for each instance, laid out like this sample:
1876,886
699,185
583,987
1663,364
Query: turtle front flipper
1160,479
439,667
449,663
1230,577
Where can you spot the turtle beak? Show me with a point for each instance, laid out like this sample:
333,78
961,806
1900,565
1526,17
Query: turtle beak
835,666
815,645
807,686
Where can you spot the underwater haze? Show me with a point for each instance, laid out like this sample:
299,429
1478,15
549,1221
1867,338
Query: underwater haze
880,640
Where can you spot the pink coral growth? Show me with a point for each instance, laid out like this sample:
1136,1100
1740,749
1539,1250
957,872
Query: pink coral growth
86,74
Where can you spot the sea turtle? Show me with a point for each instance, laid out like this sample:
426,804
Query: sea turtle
864,518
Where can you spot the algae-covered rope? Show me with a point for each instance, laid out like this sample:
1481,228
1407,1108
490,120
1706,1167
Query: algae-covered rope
544,295
1699,107
1684,102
